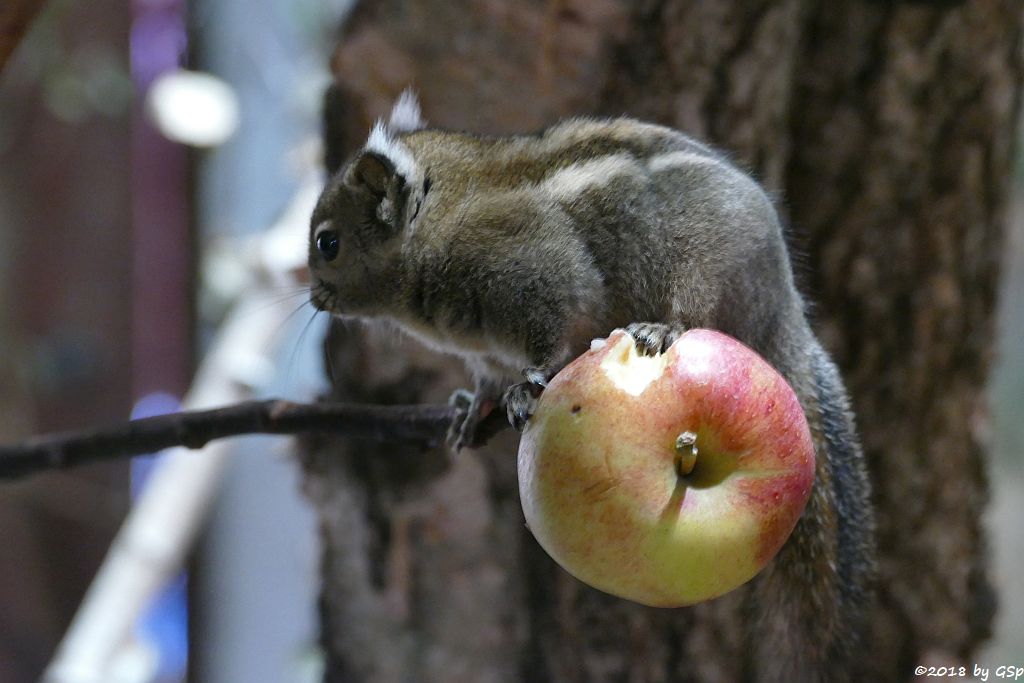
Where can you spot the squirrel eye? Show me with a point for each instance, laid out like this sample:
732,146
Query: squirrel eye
327,244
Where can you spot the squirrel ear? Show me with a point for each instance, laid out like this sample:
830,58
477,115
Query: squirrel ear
372,171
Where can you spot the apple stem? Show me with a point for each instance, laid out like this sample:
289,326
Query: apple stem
686,453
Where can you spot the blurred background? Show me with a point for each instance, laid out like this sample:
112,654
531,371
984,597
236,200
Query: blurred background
124,221
131,195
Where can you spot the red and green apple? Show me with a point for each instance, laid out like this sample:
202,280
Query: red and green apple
666,479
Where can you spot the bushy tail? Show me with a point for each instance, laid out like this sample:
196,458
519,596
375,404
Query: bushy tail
808,610
851,494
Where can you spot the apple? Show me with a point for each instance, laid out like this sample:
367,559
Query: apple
667,479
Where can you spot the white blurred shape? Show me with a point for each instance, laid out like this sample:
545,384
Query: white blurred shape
193,108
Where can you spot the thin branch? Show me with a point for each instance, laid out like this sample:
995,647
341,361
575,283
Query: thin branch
425,424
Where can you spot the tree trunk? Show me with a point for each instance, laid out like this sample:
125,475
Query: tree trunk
886,131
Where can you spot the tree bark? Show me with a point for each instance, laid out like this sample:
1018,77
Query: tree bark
886,131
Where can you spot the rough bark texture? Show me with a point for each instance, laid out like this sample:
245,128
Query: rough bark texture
886,129
913,135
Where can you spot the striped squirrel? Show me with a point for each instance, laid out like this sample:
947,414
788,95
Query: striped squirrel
514,252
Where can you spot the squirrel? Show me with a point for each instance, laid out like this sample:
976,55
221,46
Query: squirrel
513,252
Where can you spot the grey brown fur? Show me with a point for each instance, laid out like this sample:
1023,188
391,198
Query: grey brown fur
514,252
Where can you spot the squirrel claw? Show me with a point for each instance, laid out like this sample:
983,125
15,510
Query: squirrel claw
654,338
520,400
537,377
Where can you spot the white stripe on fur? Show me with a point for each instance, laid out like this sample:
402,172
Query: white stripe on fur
405,115
567,183
383,142
669,160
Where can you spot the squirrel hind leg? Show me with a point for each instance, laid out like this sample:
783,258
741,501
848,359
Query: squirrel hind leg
472,408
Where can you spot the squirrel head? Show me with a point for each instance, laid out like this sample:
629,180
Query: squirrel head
357,227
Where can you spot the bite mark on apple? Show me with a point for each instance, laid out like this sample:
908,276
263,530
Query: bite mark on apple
629,370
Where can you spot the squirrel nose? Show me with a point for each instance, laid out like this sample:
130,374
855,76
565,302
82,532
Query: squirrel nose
327,244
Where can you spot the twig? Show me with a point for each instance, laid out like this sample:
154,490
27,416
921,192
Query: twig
194,429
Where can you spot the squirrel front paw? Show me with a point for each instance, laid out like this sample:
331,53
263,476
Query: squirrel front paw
654,338
520,399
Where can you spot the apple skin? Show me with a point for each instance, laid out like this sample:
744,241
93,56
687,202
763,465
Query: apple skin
599,479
